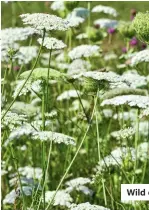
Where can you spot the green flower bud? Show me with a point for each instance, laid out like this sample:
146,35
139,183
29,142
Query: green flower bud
141,26
126,29
94,34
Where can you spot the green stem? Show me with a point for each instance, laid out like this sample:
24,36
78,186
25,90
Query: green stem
47,99
68,168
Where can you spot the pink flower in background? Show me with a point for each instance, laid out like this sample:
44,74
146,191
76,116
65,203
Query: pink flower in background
111,30
133,41
16,68
124,50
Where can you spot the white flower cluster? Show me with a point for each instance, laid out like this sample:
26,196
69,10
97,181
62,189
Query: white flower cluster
26,54
131,115
81,12
87,206
143,128
30,172
58,5
78,66
143,151
68,94
29,87
106,23
74,20
52,43
135,80
83,51
105,9
14,194
61,198
131,100
145,113
110,56
126,133
76,104
78,184
13,119
42,21
139,57
82,36
53,136
115,158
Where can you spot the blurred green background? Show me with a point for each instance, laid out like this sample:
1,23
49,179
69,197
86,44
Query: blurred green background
11,10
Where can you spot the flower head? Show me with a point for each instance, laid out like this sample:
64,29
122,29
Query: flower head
52,43
42,21
105,9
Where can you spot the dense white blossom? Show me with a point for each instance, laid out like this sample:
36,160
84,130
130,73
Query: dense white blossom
68,94
25,54
52,43
62,198
87,206
53,136
58,5
131,100
77,66
126,133
30,172
78,181
83,51
105,9
143,151
106,23
42,21
139,57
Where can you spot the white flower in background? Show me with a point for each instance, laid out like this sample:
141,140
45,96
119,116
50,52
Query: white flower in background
82,36
5,51
126,133
78,181
53,136
76,104
14,194
145,113
30,172
81,12
110,56
52,43
139,57
131,100
78,185
13,119
42,21
68,94
58,5
87,206
18,133
135,80
77,66
144,128
108,113
29,87
83,51
143,151
131,115
60,57
11,35
115,158
61,198
106,23
105,9
74,20
26,54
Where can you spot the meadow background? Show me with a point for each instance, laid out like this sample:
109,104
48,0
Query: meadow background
69,118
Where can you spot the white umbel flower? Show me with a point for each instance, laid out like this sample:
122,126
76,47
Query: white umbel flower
78,181
142,56
105,9
106,23
52,43
53,136
58,5
61,198
26,54
30,172
42,21
68,95
83,51
145,113
77,66
143,151
87,206
126,133
74,20
131,100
